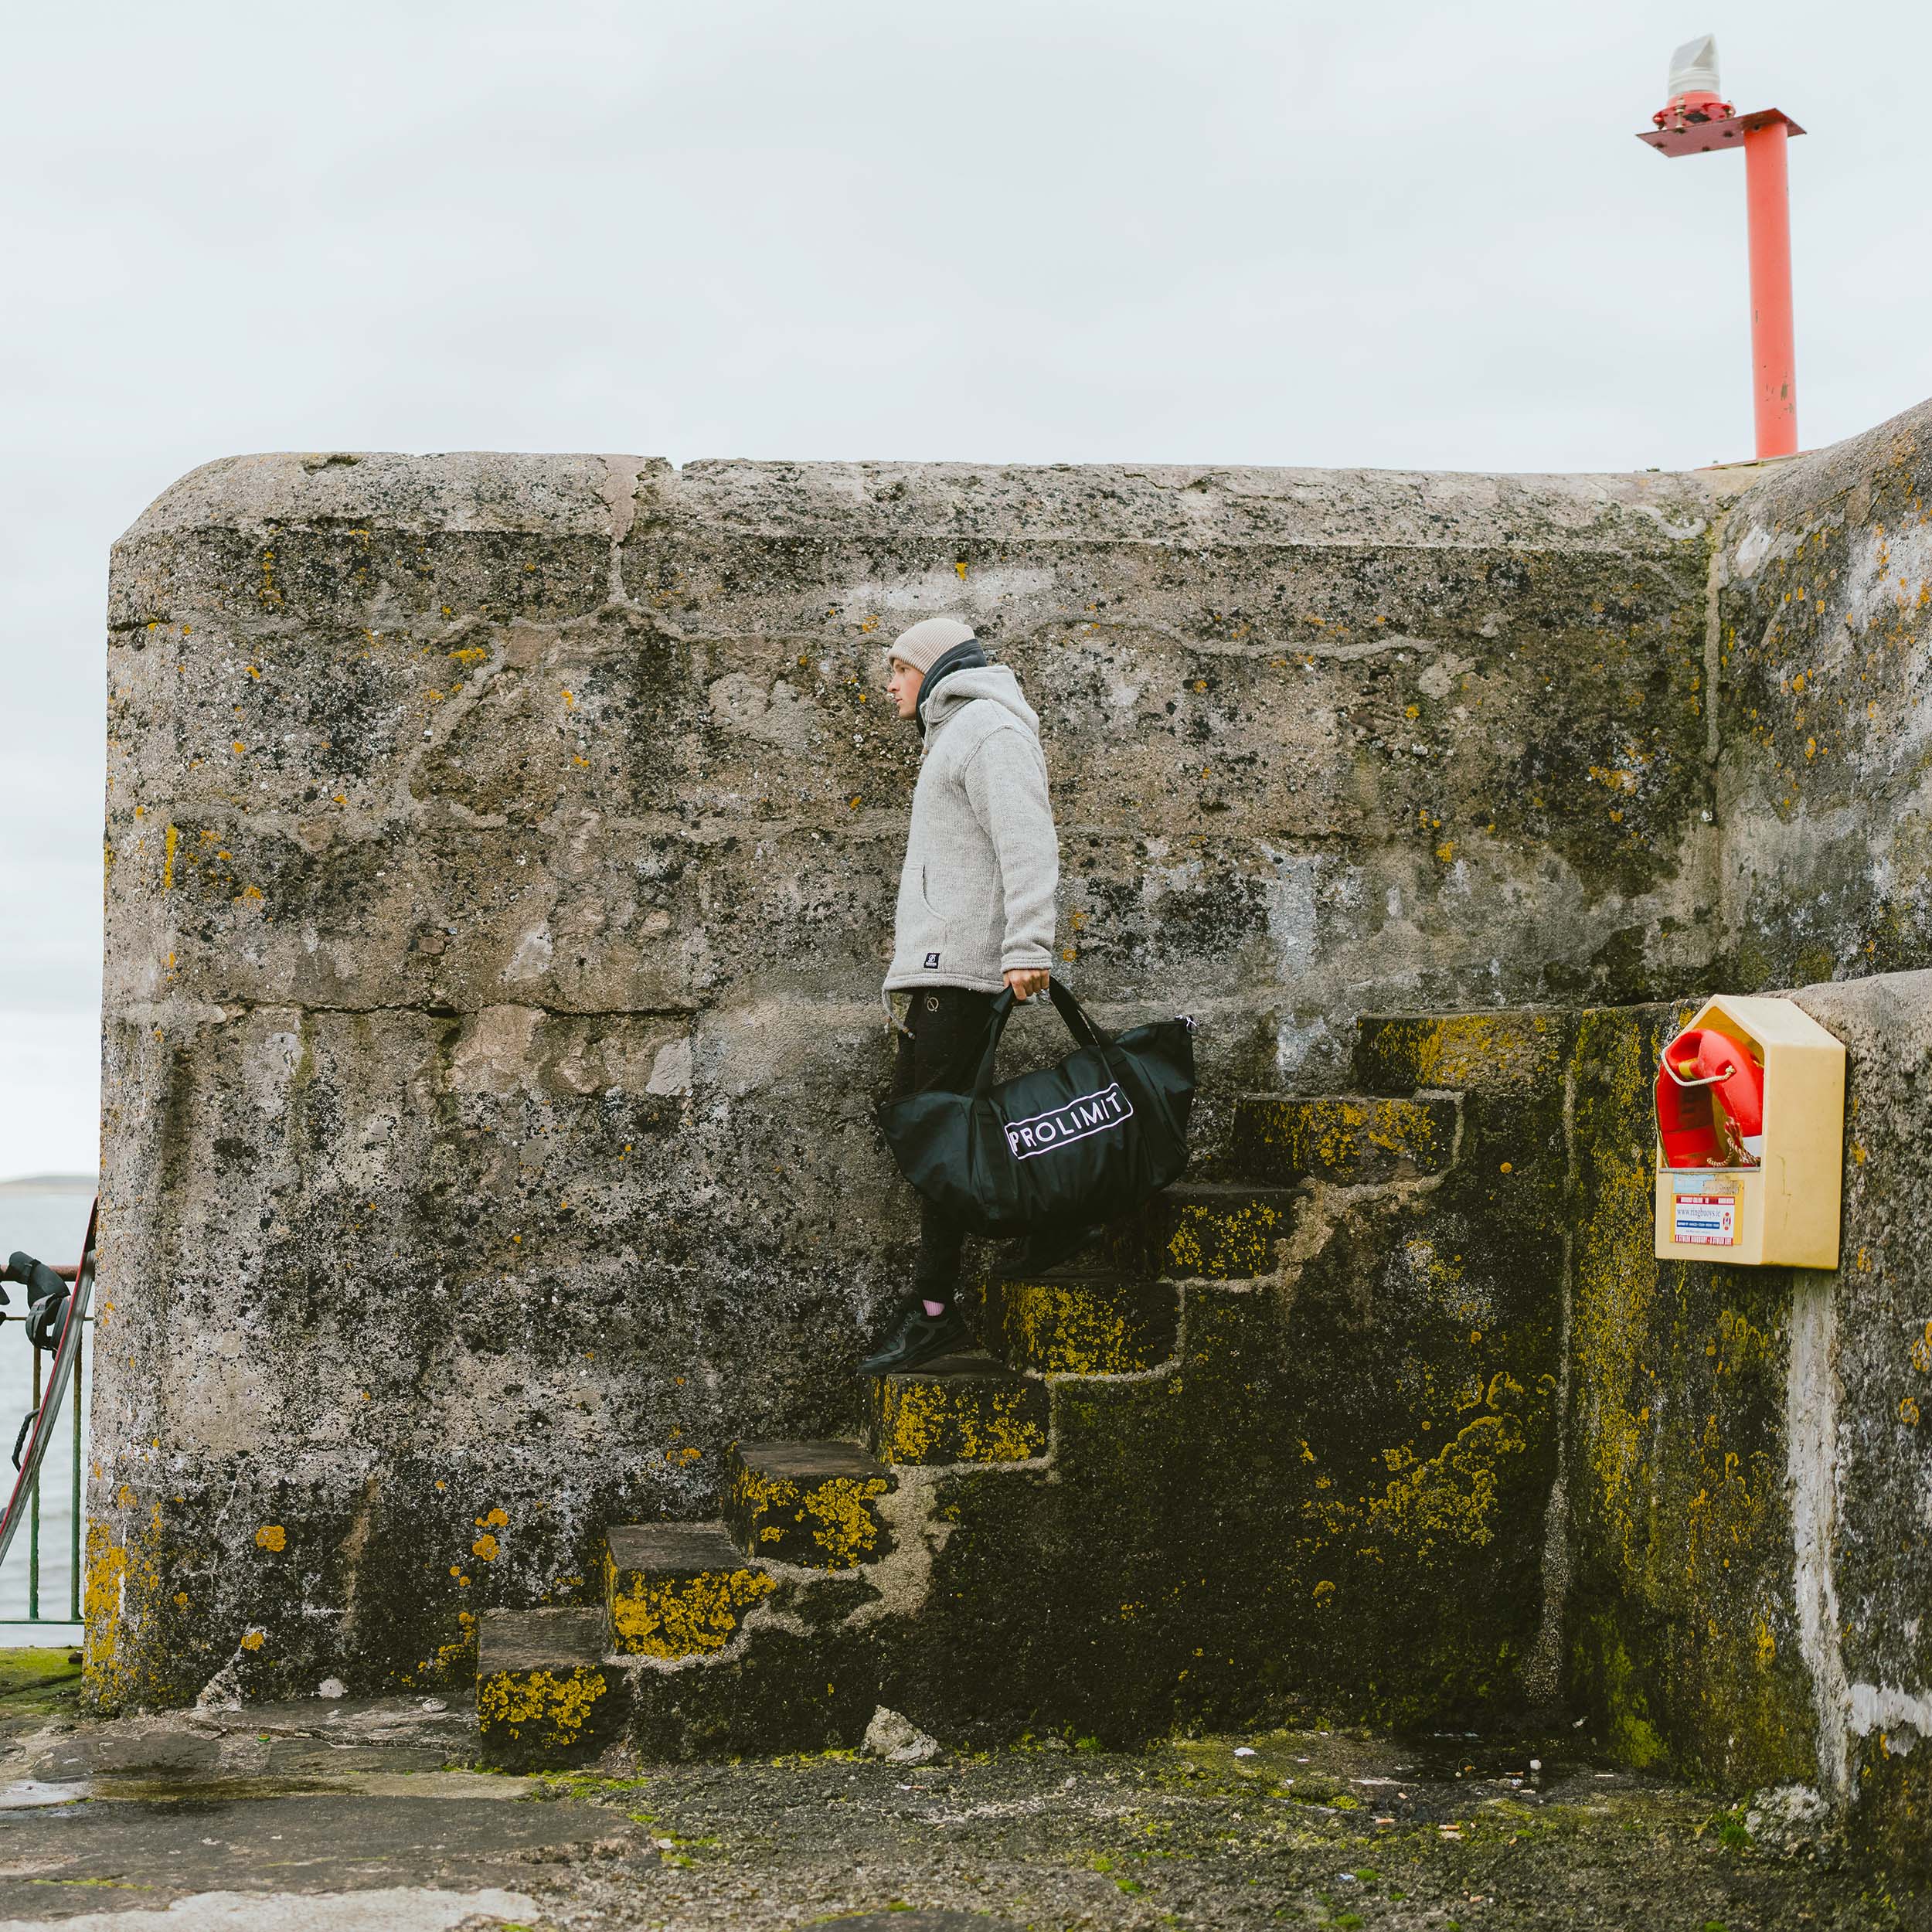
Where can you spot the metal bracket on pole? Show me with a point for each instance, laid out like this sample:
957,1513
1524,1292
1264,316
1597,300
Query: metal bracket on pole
1684,136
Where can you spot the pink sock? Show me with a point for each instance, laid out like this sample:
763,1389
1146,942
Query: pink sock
935,1309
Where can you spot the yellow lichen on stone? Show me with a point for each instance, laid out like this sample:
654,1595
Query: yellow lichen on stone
1452,1499
452,1661
978,1424
836,1510
681,1616
1477,1050
1333,1132
554,1705
911,1415
1328,1133
271,1536
1224,1242
841,1519
107,1569
1000,1431
123,1584
1062,1328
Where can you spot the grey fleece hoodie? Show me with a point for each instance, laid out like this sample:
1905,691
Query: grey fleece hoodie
982,863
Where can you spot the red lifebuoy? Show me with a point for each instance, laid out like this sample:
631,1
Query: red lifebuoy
1741,1086
1699,1063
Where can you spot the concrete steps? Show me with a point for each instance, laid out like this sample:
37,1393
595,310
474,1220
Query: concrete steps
554,1685
810,1503
962,1408
676,1590
760,1632
1104,1323
1206,1230
542,1694
1482,1052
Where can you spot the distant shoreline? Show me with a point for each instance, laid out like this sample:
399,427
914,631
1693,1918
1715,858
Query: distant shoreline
52,1184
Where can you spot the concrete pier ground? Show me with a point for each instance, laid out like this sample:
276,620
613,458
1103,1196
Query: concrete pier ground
369,1814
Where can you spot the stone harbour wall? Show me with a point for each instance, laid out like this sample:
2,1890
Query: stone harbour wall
501,859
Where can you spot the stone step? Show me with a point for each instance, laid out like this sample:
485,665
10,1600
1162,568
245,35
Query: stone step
677,1589
1200,1230
1349,1138
1506,1051
543,1694
813,1503
1086,1325
962,1408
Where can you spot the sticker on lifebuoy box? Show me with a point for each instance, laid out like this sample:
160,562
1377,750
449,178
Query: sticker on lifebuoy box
1704,1211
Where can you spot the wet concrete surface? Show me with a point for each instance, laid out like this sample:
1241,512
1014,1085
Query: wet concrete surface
367,1814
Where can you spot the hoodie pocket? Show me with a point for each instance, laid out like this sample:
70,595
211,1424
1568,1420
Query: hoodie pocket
936,920
931,935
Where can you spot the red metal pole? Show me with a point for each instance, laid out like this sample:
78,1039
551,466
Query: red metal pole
1773,363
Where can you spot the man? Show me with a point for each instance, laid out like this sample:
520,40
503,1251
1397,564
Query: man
975,914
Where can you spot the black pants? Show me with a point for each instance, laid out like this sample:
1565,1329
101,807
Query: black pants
947,1027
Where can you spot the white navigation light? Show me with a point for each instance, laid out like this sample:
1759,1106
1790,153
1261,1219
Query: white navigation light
1693,68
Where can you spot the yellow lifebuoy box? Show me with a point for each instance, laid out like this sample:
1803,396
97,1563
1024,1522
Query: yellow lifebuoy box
1763,1198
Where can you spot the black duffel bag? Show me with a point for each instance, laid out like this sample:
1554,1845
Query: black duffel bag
1072,1145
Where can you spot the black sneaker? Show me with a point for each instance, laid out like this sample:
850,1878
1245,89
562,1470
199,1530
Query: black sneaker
919,1336
889,1324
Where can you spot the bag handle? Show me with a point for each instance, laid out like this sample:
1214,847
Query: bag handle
1068,1009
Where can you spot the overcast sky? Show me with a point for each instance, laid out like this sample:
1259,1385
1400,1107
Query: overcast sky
1055,231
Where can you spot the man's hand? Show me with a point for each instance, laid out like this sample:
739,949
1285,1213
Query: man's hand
1024,981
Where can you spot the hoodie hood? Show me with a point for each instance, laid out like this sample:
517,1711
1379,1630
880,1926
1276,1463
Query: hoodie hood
966,655
993,682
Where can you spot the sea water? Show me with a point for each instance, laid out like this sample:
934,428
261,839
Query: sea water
47,1216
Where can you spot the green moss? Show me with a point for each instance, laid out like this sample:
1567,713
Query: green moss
1626,1731
42,1682
37,1669
1688,1655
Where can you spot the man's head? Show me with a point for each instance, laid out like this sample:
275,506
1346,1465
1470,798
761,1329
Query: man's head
912,653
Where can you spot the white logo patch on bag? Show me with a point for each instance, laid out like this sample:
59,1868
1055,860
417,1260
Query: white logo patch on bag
1087,1113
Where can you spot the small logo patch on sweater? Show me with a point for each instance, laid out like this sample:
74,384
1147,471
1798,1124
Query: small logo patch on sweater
932,962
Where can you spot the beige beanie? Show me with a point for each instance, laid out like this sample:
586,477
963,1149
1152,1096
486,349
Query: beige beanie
927,641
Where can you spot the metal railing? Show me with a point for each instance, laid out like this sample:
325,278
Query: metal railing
77,1422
